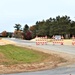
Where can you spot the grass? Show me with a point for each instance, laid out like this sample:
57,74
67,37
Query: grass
10,54
14,54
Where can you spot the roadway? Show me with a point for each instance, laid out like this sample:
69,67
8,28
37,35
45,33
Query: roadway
66,70
60,48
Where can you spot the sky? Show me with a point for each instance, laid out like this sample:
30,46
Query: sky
29,11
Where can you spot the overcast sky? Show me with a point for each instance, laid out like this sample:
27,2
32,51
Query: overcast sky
29,11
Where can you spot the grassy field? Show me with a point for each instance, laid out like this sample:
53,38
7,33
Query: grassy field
14,54
10,54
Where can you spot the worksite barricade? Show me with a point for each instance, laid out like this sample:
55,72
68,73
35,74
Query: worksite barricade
73,40
41,40
57,41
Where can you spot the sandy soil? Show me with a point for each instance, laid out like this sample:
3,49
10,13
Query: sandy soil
36,66
4,42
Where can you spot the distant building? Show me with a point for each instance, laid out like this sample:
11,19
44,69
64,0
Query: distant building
0,34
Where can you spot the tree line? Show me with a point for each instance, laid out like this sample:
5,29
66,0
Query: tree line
54,26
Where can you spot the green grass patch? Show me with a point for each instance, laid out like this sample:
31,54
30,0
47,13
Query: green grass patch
10,54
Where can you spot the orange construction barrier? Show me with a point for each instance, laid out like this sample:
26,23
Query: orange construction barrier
73,40
41,40
58,41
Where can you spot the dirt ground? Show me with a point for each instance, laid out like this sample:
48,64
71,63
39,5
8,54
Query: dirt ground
70,59
4,42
